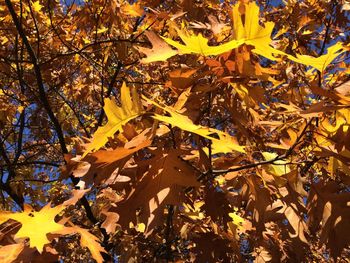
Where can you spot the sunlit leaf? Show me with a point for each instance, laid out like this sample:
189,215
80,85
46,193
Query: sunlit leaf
117,117
321,62
36,225
221,142
252,32
279,167
37,6
87,240
160,50
9,253
197,44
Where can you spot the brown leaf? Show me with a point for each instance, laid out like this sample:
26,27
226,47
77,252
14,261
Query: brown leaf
110,223
9,253
77,195
181,79
160,50
106,162
329,212
163,184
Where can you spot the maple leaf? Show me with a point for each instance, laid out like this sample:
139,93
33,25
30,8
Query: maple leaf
238,223
160,51
161,185
279,167
37,6
117,117
260,37
36,225
328,209
225,143
86,240
249,33
252,32
236,219
91,242
105,162
321,62
197,44
9,253
133,10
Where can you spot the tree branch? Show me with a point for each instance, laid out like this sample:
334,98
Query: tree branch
44,100
39,79
109,91
272,161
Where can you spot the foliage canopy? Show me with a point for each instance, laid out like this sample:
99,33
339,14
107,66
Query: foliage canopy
174,131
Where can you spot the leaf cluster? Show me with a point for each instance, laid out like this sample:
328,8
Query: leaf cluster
174,131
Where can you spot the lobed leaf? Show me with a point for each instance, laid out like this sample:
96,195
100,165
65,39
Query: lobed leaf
225,143
117,117
36,225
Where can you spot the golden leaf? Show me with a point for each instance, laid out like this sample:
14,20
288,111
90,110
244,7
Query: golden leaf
236,219
91,242
133,10
117,117
321,62
197,44
102,29
253,33
223,144
249,33
279,167
35,225
37,6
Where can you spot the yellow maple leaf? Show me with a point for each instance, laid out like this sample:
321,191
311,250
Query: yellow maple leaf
260,37
102,29
37,6
222,143
279,167
252,32
236,219
197,44
35,225
321,62
117,117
